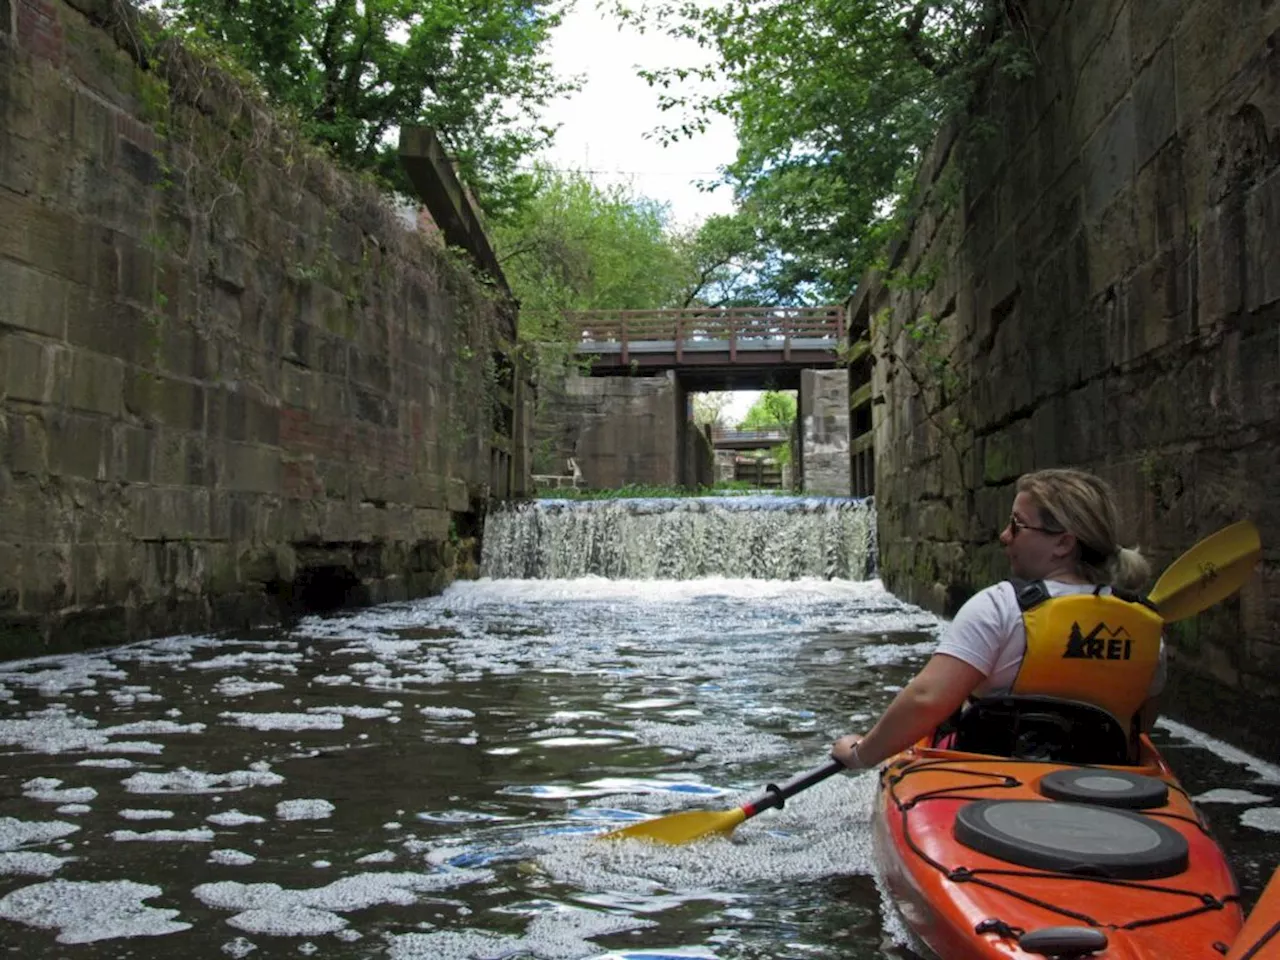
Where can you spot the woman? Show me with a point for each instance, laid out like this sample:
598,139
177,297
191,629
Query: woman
1062,532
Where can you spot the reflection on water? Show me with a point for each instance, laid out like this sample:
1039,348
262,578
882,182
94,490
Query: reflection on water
425,780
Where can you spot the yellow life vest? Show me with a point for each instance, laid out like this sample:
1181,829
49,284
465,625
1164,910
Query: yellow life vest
1095,648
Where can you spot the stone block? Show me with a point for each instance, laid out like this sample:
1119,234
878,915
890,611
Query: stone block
24,442
170,452
165,400
46,576
1109,157
185,352
1155,110
251,468
44,238
1220,264
32,301
79,446
1261,253
28,367
1213,41
1112,240
1105,74
97,383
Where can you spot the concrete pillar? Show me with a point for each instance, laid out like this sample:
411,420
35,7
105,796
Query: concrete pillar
824,432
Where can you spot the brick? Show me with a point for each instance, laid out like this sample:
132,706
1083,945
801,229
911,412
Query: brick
32,301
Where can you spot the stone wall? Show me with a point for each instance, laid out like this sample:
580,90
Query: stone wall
823,430
230,375
619,430
1098,283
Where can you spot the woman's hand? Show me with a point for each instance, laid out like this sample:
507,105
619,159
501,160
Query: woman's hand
846,751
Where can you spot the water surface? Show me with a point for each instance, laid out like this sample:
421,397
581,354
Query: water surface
426,780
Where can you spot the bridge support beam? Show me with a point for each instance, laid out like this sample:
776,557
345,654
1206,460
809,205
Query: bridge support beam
823,412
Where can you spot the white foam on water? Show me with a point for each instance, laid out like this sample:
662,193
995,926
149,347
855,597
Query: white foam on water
74,809
110,763
885,654
29,863
557,934
184,780
194,835
267,908
1267,772
53,730
304,809
85,912
292,920
14,833
279,662
147,814
285,721
821,833
382,856
128,696
59,674
239,947
714,740
234,818
46,789
446,713
240,687
152,727
1262,818
232,858
465,595
131,746
1227,795
358,713
334,680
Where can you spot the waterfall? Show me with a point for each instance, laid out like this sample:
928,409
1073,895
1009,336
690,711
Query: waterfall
678,538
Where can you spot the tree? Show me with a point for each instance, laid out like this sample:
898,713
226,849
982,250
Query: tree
708,408
833,102
773,408
356,70
577,246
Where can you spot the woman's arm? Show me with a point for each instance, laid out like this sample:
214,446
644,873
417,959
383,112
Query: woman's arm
935,693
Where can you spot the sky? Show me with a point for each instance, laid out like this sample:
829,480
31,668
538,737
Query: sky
607,128
603,127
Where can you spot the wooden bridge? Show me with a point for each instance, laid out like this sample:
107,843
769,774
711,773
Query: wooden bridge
725,347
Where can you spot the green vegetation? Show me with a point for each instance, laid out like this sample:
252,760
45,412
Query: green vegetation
355,71
773,408
834,102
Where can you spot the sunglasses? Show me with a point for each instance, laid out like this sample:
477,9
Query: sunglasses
1016,526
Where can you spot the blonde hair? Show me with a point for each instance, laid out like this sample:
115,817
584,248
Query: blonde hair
1083,505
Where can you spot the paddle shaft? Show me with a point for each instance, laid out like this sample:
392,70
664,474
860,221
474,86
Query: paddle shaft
775,796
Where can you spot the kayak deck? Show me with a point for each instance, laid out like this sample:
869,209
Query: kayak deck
965,903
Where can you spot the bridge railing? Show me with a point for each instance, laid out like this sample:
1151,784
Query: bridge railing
703,328
770,436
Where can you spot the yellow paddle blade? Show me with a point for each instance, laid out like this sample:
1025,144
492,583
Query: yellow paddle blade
1212,570
681,827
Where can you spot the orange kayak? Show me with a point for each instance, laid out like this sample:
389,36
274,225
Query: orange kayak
988,857
1260,938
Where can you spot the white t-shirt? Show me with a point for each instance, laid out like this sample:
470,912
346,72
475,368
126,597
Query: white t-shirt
987,633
